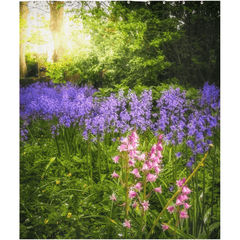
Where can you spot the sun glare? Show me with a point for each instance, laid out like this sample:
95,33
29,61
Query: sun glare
38,19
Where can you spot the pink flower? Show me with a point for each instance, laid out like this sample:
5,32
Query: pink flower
159,154
157,160
123,147
153,149
186,190
160,138
186,205
134,204
114,174
145,167
159,146
138,186
132,194
132,154
130,147
131,163
134,136
145,205
151,177
184,197
183,214
152,156
157,170
150,165
127,223
170,209
179,201
180,182
158,189
141,157
113,197
136,173
165,227
154,164
115,159
125,141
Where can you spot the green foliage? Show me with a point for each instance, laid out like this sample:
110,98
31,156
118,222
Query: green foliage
56,71
32,64
58,199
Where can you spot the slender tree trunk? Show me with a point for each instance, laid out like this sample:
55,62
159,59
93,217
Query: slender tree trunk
57,28
23,32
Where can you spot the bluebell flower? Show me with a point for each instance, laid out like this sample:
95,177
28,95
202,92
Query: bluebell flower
178,155
189,164
190,144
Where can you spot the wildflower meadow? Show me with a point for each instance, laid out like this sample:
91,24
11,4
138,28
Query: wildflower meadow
140,163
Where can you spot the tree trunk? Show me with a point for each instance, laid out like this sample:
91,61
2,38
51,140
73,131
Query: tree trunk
23,32
57,28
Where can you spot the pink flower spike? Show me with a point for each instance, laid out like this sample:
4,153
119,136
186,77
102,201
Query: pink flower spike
138,186
186,205
115,159
114,174
158,189
113,197
151,177
145,205
170,209
132,194
127,223
186,190
165,227
183,214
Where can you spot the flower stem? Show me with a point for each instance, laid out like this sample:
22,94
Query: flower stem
203,201
176,222
175,195
99,164
144,198
213,180
126,192
109,227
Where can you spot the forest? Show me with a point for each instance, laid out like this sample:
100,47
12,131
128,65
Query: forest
119,120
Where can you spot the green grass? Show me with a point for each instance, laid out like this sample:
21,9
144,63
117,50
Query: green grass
78,181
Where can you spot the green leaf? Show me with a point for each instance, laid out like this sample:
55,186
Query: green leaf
184,235
210,229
